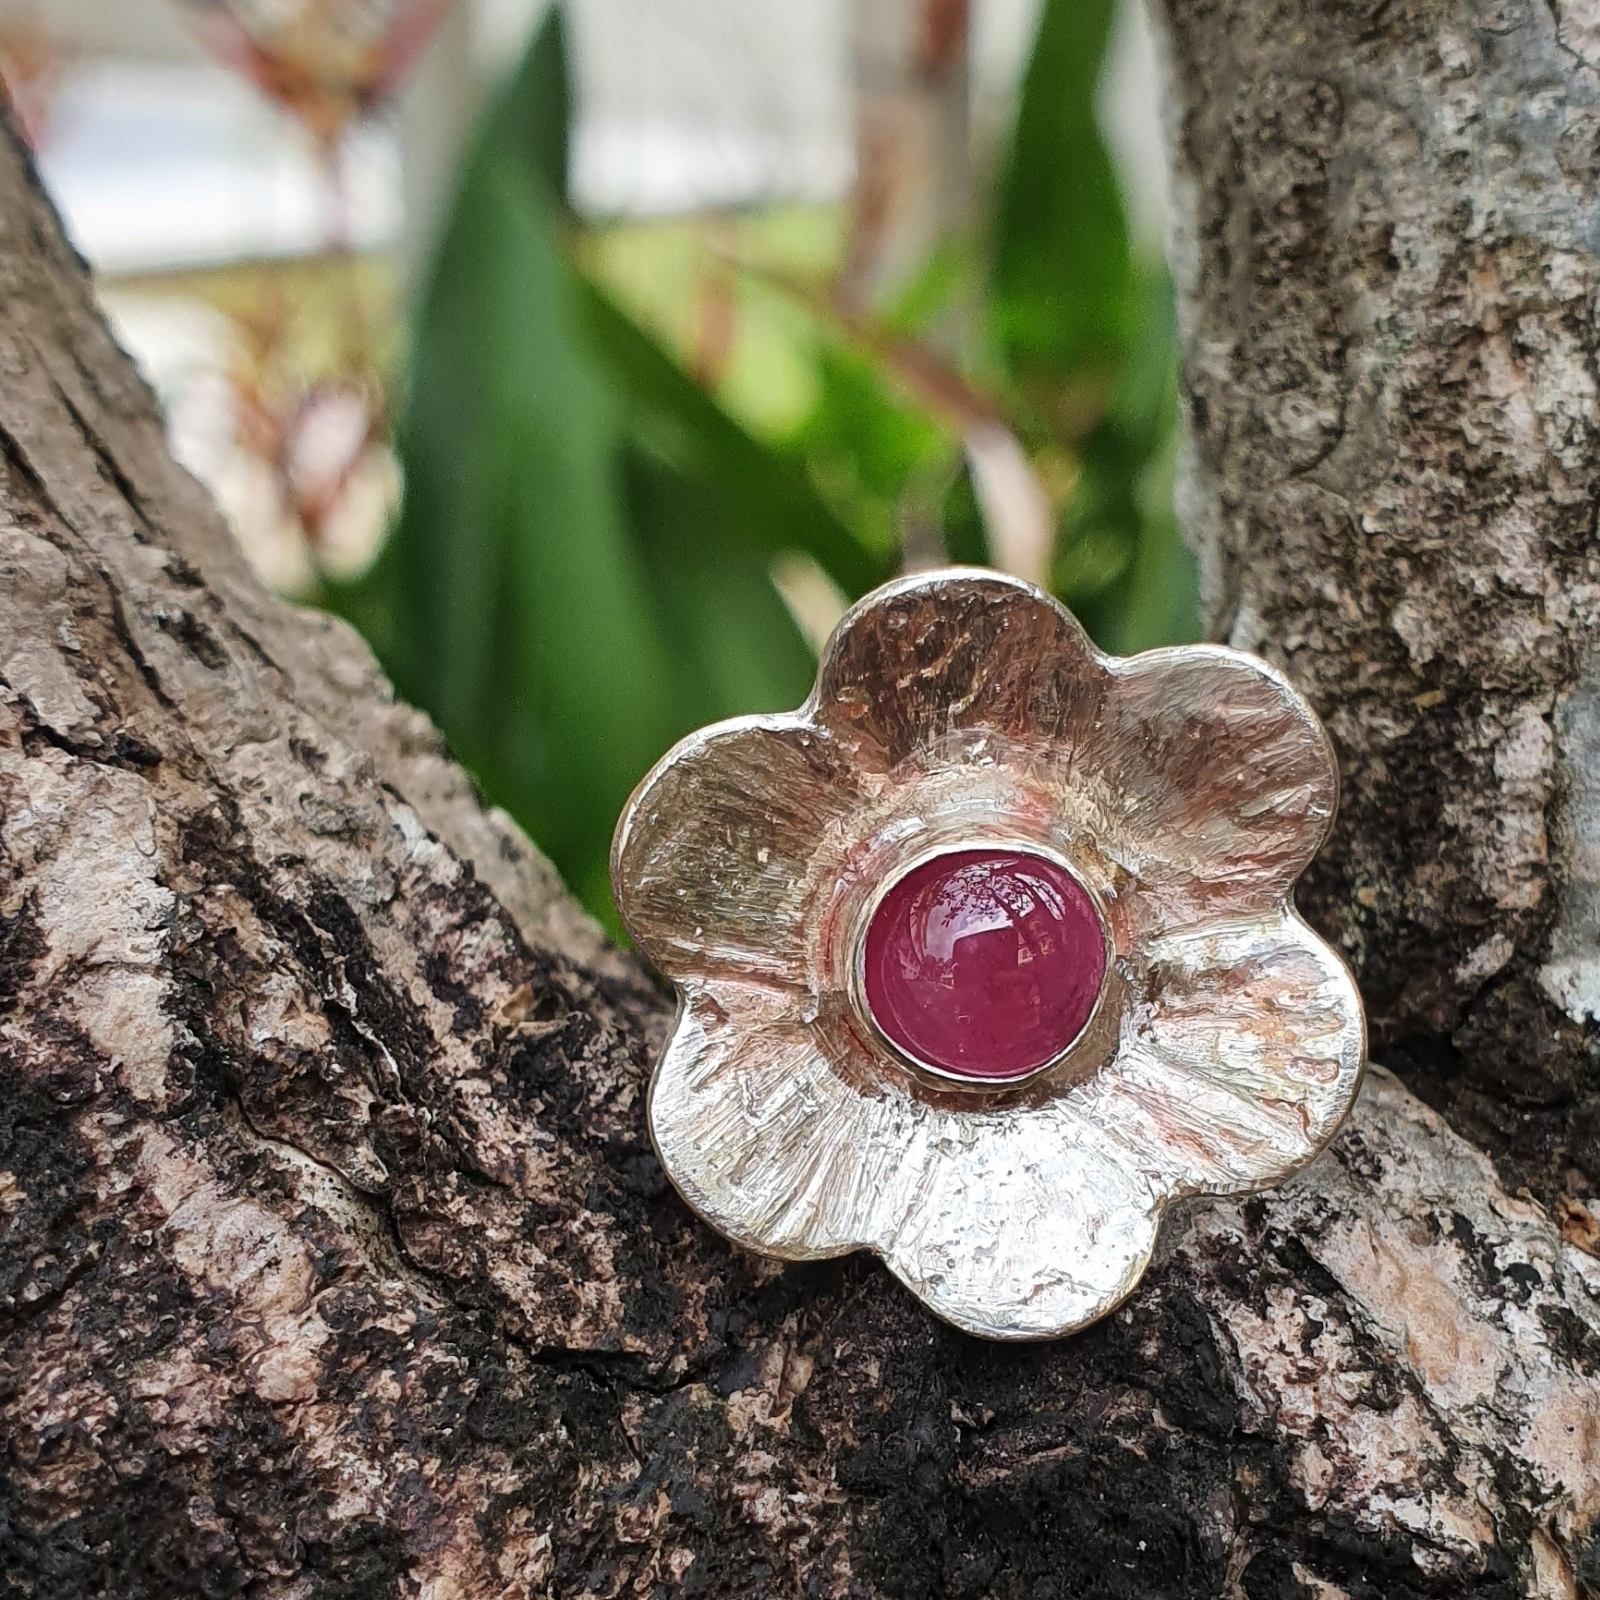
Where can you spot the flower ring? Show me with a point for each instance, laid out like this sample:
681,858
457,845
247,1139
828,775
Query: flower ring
988,953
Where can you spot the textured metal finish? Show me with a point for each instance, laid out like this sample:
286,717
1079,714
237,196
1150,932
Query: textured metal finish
1187,788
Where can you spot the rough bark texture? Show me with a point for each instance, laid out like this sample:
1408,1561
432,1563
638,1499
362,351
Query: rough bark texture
1389,217
333,1259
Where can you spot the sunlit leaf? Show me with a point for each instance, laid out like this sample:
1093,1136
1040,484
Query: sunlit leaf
869,448
778,507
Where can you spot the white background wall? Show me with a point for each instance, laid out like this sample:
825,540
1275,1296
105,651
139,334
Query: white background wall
162,158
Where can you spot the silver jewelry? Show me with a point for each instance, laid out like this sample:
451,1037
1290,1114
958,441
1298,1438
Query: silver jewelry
988,953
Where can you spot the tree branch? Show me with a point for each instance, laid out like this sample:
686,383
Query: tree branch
334,1259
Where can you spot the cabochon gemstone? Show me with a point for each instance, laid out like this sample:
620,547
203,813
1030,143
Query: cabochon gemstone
984,963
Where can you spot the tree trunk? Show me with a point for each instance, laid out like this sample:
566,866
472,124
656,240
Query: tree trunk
1387,254
333,1257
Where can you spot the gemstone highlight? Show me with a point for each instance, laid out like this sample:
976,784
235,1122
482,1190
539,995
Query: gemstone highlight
984,964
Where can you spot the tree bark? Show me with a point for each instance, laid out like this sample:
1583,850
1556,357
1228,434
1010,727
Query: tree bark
1389,215
333,1257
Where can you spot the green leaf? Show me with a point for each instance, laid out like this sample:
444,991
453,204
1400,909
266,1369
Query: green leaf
670,414
1062,279
731,627
870,449
966,538
528,123
1120,560
531,630
581,569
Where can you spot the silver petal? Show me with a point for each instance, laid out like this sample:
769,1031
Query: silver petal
1218,780
1243,1045
1015,1220
719,852
938,652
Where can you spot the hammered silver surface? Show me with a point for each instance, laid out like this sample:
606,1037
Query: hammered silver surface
1187,787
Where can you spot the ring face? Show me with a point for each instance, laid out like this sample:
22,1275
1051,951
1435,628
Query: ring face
987,953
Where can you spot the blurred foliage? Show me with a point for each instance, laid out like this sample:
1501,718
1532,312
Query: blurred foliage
327,63
599,491
1063,290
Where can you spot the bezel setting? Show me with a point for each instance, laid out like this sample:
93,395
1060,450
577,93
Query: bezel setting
946,1078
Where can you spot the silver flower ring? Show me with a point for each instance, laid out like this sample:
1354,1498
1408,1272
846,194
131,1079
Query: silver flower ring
988,953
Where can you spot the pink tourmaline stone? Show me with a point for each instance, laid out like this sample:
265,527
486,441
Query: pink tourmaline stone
985,963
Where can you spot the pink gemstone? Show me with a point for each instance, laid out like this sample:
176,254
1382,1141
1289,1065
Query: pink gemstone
985,963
